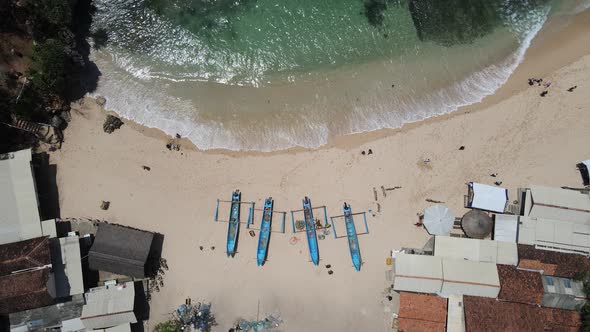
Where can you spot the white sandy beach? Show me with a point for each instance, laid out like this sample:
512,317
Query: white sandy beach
523,137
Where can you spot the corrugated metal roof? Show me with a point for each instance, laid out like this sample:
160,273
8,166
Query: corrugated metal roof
109,306
556,235
417,273
505,227
71,258
468,272
476,250
561,204
120,328
19,219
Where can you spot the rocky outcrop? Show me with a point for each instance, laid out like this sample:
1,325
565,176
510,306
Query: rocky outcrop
111,124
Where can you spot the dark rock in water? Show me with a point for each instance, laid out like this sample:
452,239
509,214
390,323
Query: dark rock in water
111,124
178,135
105,205
374,11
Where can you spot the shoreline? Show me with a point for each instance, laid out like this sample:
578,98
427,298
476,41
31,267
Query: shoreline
525,139
553,47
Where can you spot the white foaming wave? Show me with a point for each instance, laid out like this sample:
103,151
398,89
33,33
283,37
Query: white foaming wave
470,90
135,102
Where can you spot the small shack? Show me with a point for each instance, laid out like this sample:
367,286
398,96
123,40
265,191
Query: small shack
563,293
505,228
486,197
121,250
109,306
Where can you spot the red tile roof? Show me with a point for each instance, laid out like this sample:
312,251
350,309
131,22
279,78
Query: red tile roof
485,314
552,262
520,286
28,287
419,312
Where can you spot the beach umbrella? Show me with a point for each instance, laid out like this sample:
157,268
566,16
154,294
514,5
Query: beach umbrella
477,224
438,220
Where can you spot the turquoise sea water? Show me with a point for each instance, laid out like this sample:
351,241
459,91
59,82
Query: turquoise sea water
272,74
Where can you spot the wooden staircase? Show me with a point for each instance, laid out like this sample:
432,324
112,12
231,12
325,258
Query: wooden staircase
44,132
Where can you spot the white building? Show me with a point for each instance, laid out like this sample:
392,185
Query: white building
417,273
476,250
557,204
556,235
445,276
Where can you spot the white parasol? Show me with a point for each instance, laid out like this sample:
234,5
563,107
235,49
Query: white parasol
438,220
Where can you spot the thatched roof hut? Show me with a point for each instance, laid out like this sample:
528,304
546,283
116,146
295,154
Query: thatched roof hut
477,224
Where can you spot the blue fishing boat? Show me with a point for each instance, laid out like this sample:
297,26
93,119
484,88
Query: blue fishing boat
264,231
353,242
234,223
312,240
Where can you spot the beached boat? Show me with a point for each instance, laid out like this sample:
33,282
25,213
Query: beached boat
353,242
234,223
312,240
264,236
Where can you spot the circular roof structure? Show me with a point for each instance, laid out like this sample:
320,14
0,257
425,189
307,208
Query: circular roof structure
477,224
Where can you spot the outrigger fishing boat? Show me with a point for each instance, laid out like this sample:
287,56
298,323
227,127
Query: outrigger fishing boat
233,227
353,241
351,234
264,236
312,240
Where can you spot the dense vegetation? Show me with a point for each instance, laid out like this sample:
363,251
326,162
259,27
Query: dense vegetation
57,71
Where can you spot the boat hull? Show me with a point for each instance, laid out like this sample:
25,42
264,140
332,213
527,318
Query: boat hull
233,227
264,236
353,242
312,240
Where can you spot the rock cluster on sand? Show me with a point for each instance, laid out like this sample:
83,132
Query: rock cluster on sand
111,124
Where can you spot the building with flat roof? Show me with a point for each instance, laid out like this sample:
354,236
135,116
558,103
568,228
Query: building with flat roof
48,317
563,293
26,280
109,306
417,273
462,277
476,250
437,275
19,208
556,235
557,204
67,266
121,250
485,314
421,312
505,228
